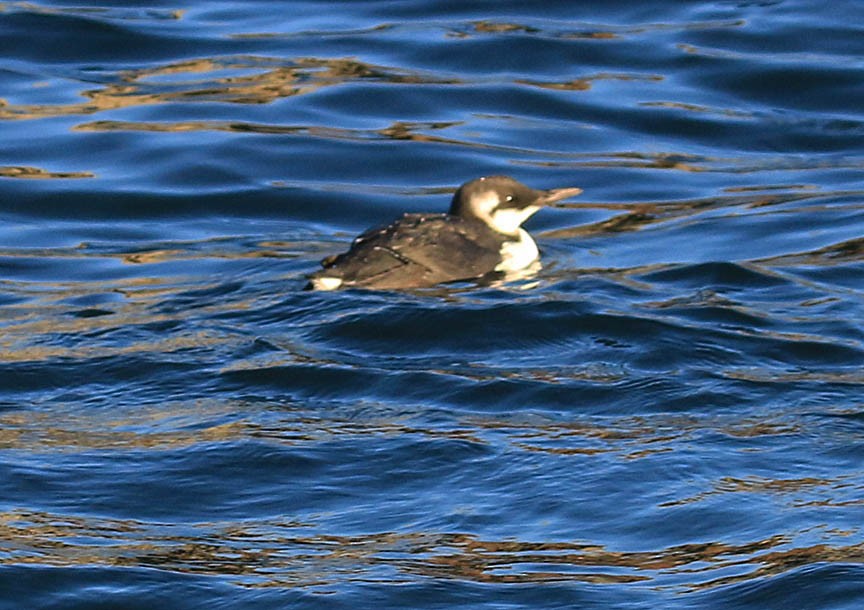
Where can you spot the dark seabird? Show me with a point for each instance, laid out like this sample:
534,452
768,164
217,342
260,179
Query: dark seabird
481,235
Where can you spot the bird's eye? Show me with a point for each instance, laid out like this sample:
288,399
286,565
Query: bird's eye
508,198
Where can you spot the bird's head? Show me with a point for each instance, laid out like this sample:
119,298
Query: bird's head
503,203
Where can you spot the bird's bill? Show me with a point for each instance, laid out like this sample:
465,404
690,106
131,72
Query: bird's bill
552,195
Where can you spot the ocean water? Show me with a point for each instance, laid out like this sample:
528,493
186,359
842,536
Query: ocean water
668,415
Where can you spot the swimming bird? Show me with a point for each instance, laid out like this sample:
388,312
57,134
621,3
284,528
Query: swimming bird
480,236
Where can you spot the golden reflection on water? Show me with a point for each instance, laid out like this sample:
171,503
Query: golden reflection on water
399,130
38,173
639,215
585,83
166,345
238,80
249,79
44,310
591,31
78,429
179,424
855,377
287,553
781,487
844,252
90,11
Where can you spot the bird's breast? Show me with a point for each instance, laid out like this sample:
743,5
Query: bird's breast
518,254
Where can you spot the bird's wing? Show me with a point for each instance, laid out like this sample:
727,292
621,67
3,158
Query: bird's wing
405,255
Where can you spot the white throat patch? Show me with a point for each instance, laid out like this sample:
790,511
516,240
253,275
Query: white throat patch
508,220
503,220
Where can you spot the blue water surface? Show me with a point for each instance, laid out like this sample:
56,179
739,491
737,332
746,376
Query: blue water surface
668,415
